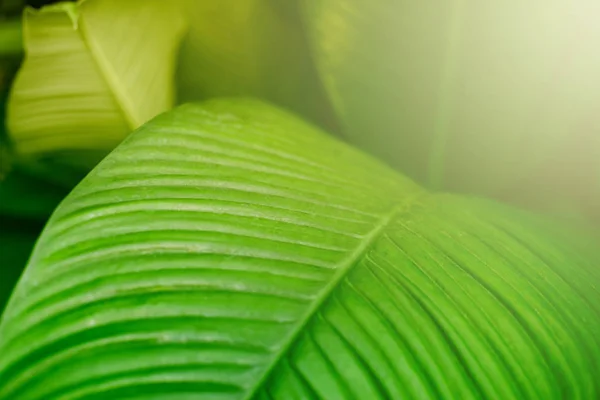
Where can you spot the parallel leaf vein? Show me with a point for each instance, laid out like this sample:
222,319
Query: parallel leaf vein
344,266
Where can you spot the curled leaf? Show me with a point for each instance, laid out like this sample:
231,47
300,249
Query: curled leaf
93,72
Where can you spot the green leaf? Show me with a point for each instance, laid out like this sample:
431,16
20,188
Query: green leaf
93,72
251,48
231,251
494,98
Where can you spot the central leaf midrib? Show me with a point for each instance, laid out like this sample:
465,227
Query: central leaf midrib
343,268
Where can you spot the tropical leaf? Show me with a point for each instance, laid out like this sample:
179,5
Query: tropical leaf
494,98
231,251
250,48
93,72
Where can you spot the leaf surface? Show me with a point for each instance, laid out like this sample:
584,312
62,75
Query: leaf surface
231,251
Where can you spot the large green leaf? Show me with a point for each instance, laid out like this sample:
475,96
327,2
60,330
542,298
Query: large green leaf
93,72
231,251
497,98
250,47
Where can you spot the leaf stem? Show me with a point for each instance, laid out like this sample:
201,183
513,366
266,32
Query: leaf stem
11,38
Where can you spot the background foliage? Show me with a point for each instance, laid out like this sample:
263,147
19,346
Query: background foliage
394,201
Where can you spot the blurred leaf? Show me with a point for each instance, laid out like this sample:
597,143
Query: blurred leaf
93,72
479,97
231,251
251,47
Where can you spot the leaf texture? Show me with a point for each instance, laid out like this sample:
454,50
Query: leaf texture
93,72
231,251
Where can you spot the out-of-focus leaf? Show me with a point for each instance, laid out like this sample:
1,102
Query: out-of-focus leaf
468,95
93,71
251,47
230,251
